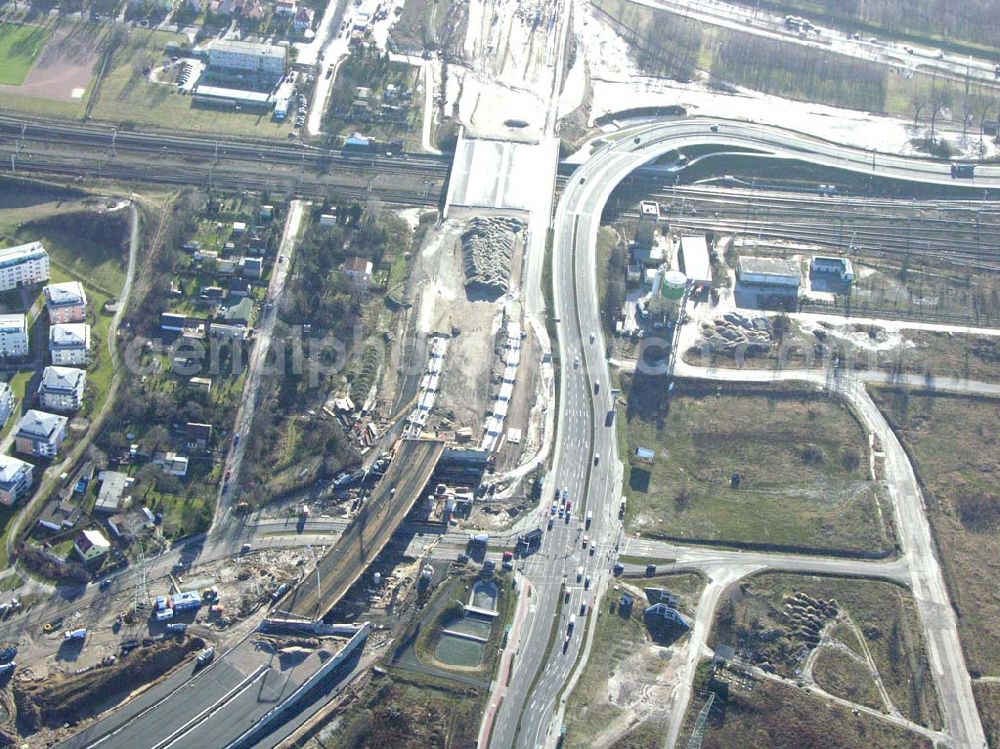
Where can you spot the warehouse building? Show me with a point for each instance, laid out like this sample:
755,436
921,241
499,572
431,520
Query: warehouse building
23,265
767,282
695,261
839,267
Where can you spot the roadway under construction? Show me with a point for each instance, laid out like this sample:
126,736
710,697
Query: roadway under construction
392,499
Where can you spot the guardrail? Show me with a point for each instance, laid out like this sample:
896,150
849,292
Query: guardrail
278,714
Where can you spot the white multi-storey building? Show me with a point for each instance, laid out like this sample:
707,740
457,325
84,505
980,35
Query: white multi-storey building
247,57
40,434
23,265
13,336
69,344
62,388
6,402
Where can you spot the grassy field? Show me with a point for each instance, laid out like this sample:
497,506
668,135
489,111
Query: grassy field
843,676
956,451
19,46
451,595
405,711
612,691
782,717
802,460
987,696
128,96
421,25
884,613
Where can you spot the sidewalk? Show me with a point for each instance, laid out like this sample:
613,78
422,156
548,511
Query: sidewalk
499,690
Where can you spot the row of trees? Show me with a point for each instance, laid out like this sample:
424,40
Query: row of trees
798,72
979,105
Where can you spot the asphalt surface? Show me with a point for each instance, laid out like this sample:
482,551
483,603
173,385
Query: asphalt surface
369,531
526,717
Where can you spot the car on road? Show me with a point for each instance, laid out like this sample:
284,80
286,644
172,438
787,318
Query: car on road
205,657
597,459
551,521
650,570
553,509
105,583
245,549
586,583
586,540
714,128
462,559
579,574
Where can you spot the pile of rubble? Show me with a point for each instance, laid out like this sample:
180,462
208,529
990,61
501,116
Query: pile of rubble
733,331
806,616
487,250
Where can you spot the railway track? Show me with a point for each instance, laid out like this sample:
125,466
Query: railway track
306,184
951,230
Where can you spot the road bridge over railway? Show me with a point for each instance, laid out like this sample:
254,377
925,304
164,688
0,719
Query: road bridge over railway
365,537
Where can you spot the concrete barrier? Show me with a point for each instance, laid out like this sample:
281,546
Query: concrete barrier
279,713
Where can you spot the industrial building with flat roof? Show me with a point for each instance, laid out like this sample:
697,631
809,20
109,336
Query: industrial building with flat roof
694,259
23,265
772,282
247,57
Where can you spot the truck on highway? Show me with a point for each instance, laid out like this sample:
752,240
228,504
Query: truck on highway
590,518
476,539
75,634
966,171
177,628
621,508
572,623
609,418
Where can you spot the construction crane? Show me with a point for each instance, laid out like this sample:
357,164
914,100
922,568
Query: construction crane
699,726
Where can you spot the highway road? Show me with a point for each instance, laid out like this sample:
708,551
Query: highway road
526,717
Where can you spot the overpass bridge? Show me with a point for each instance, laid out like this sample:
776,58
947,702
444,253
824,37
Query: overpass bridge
364,538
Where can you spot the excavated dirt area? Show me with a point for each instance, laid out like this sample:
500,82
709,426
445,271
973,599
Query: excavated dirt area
67,699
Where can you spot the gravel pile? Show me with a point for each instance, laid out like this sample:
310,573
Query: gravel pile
733,331
487,249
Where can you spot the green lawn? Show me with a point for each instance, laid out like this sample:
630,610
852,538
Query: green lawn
955,448
19,48
802,461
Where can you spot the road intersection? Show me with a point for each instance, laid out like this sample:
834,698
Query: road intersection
587,464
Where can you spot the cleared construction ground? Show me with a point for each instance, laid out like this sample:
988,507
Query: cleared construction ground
368,533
